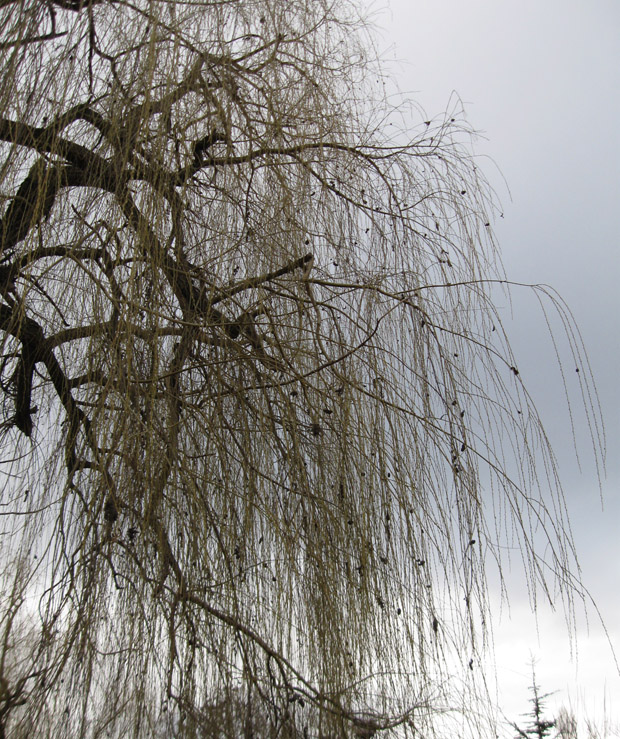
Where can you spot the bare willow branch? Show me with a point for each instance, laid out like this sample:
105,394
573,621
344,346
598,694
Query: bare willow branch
263,435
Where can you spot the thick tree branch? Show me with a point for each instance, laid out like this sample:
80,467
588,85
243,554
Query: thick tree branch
35,348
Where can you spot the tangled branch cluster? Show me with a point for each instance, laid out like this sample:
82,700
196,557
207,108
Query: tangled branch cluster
252,377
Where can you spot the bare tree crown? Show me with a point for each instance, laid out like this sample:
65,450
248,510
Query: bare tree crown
261,427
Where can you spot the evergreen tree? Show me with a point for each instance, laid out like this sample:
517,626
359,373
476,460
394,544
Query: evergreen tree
539,726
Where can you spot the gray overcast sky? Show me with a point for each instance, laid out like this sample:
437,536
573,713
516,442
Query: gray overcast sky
541,82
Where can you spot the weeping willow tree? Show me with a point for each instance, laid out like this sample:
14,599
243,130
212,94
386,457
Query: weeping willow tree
262,433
